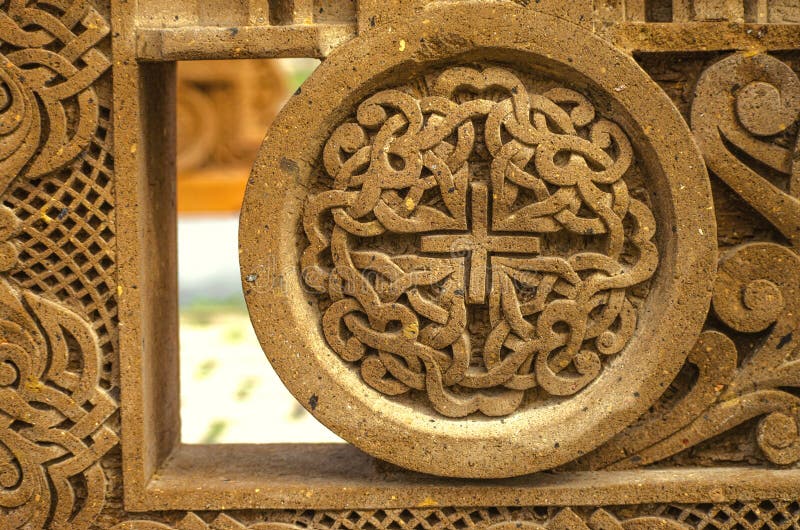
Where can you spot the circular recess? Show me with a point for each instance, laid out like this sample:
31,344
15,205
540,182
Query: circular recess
480,244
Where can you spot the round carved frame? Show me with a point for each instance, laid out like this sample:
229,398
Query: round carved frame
533,438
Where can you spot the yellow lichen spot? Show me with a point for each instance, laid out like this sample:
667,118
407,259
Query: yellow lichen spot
134,148
428,502
43,215
34,385
119,290
402,45
409,203
411,330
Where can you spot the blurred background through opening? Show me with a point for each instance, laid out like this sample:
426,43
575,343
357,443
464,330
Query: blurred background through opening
229,391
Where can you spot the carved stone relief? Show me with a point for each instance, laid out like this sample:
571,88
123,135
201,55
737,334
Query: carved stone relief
482,241
49,108
749,516
565,519
744,117
478,248
53,414
57,367
492,196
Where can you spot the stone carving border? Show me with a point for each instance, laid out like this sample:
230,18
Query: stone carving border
98,164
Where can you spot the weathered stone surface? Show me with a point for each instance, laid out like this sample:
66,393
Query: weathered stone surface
718,10
481,242
698,430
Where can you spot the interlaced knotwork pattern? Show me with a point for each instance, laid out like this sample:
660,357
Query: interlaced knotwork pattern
474,237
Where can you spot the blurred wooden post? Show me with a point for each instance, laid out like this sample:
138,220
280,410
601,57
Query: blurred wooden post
224,110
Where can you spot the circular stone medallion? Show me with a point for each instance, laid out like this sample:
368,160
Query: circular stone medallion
476,253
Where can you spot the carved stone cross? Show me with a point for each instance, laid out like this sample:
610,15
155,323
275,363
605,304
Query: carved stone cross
478,243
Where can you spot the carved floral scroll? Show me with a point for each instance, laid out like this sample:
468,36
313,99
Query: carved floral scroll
744,117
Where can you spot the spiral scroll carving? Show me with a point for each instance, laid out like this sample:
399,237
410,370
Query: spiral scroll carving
757,290
745,107
742,102
480,194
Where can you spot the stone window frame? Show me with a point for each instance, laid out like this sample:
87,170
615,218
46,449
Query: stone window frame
161,473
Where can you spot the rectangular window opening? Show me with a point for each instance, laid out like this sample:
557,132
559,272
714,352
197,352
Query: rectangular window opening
229,391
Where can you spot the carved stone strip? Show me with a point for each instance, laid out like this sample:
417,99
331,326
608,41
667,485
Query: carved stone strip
58,321
53,412
738,515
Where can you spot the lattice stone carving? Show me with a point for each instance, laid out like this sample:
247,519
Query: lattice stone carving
778,515
56,160
758,515
67,237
